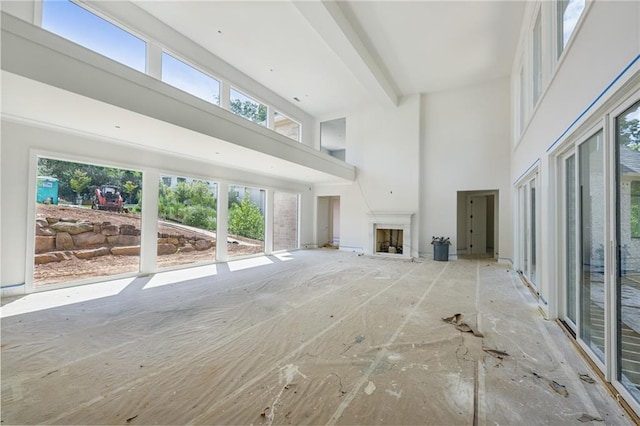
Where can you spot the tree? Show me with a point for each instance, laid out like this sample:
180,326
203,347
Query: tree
234,198
246,220
250,110
193,204
128,188
200,216
200,194
79,182
64,171
629,133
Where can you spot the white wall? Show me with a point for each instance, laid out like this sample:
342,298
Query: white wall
465,146
323,221
335,220
606,42
578,90
382,142
20,143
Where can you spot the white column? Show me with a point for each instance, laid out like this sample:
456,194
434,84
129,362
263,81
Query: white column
268,222
149,231
270,117
154,60
222,223
225,95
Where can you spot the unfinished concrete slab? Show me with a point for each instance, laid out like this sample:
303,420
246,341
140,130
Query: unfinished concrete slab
315,337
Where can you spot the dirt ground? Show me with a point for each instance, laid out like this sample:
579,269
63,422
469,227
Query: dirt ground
76,269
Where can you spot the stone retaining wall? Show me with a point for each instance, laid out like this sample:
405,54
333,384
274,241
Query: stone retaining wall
60,239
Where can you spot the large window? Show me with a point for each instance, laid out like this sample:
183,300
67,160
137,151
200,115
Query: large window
528,224
522,106
569,12
571,220
88,221
584,251
187,78
592,211
187,221
89,30
537,58
245,220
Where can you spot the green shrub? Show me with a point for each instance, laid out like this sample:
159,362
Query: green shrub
246,220
200,216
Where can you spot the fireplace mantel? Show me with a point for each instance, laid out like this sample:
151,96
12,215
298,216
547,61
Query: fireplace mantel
390,220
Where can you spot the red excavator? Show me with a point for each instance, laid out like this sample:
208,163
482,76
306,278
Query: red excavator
108,198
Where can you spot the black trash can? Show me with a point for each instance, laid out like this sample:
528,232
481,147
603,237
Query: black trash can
440,251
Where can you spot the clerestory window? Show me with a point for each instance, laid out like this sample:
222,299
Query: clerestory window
87,29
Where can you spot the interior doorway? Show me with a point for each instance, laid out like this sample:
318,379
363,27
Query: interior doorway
477,234
328,221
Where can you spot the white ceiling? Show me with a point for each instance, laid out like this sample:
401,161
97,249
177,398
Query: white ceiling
334,56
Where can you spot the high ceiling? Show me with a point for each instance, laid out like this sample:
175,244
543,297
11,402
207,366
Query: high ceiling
333,56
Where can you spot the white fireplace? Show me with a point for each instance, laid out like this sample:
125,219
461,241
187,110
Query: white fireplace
390,234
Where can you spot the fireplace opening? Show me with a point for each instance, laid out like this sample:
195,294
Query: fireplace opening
389,240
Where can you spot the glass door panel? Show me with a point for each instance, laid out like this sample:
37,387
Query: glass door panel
592,203
187,221
628,237
246,221
532,195
570,239
525,231
88,222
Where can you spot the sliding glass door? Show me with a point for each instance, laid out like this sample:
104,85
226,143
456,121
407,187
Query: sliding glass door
584,214
528,218
571,265
627,130
600,246
592,214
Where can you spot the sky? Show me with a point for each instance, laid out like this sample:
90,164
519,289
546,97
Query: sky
570,19
94,33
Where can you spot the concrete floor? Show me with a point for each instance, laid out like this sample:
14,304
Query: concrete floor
316,337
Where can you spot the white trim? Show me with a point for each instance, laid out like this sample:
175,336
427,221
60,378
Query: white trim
37,13
222,222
